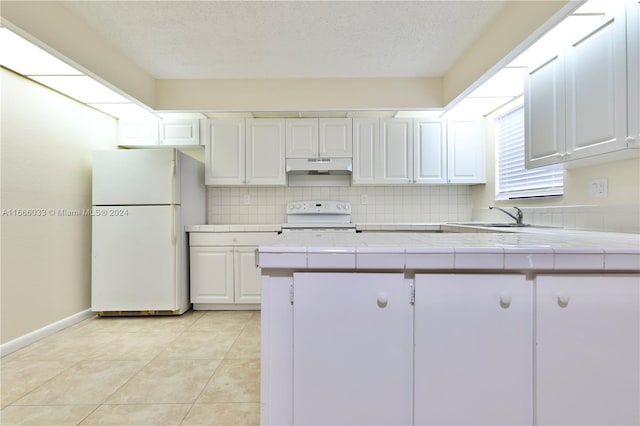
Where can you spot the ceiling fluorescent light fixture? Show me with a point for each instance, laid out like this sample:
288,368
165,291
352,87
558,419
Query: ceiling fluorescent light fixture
26,58
81,87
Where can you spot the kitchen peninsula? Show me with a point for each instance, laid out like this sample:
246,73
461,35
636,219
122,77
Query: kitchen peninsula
451,328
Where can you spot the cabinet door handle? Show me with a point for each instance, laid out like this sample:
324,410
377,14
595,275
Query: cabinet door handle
505,301
382,300
563,300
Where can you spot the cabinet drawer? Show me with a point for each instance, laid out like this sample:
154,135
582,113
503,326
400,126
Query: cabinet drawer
230,238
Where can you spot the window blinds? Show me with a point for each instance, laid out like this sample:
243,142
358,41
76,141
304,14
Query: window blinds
512,179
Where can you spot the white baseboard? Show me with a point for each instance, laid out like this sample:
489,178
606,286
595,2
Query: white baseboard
34,336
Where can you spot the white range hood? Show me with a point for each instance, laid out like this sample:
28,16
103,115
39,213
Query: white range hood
306,166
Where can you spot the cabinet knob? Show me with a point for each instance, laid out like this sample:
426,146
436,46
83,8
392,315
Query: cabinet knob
382,300
563,300
505,301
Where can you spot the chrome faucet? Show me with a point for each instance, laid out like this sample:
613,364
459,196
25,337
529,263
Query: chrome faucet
519,215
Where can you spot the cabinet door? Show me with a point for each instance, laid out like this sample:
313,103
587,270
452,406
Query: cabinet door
396,143
465,151
588,350
265,152
367,162
352,349
596,90
138,133
633,72
429,152
473,350
544,114
247,275
180,132
302,138
225,153
335,138
211,274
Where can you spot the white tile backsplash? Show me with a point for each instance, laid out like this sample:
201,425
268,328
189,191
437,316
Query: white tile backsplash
385,204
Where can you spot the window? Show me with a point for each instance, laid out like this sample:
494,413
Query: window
512,179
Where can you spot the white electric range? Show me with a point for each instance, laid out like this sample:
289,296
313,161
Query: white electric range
319,216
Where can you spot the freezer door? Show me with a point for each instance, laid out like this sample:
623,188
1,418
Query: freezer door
135,259
135,177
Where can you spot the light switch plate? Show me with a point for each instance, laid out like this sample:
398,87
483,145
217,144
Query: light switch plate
598,188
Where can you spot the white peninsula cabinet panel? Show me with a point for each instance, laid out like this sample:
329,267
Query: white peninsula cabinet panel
588,350
465,151
473,350
633,75
225,152
430,151
352,349
265,152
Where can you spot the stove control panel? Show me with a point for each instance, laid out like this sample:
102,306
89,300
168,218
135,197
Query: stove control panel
318,207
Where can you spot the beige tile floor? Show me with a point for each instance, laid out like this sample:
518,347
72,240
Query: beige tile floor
201,368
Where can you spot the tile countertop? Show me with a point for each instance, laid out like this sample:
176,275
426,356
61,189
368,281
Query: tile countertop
524,249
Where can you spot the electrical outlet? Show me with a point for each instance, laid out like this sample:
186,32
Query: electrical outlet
246,199
598,188
364,199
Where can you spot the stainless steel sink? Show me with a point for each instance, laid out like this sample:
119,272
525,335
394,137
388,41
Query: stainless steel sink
493,224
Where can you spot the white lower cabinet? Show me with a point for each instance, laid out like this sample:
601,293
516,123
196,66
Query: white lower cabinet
352,349
211,274
588,350
473,350
223,269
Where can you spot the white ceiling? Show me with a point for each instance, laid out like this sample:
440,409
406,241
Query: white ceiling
290,39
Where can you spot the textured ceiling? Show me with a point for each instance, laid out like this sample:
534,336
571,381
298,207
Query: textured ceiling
289,39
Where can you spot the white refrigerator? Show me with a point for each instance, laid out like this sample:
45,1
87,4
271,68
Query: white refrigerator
142,200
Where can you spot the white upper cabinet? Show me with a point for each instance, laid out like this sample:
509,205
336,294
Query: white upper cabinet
544,114
367,163
633,76
429,151
265,152
313,138
465,151
133,133
576,103
225,152
383,151
335,138
245,152
180,132
396,150
302,137
596,90
168,132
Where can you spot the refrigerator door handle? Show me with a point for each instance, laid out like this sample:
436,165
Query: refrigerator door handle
172,181
172,225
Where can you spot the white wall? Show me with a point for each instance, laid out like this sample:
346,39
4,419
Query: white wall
47,141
